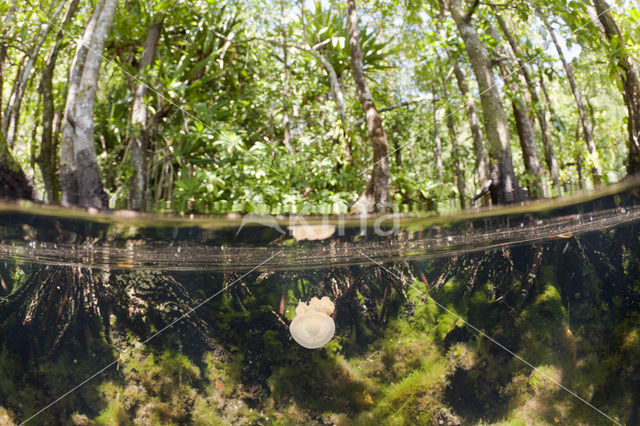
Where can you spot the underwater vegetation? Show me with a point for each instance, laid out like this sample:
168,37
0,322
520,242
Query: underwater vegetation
568,306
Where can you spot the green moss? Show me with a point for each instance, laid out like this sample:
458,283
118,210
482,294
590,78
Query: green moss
114,414
417,397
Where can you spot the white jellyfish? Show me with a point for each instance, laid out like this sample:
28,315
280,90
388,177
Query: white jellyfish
311,232
313,327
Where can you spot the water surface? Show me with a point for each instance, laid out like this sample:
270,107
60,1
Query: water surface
526,315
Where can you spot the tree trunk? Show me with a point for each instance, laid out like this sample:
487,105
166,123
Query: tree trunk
12,117
139,120
48,150
630,84
336,90
80,176
559,135
586,127
455,151
286,124
397,149
436,141
3,57
376,195
549,154
529,149
13,182
526,136
337,95
479,149
68,178
504,187
579,159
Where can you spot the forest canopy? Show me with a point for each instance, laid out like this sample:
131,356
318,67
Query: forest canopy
315,107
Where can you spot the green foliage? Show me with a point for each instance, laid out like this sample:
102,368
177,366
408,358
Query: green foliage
216,99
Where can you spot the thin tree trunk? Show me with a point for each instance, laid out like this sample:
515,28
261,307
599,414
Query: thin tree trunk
586,127
13,182
139,120
549,154
504,187
337,95
47,158
526,136
12,116
3,57
579,159
397,149
437,143
376,195
455,151
334,84
559,135
80,176
630,84
479,149
529,149
286,124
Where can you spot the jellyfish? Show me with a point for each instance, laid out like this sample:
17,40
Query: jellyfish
313,327
312,232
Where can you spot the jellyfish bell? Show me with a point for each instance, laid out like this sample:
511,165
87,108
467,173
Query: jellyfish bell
312,327
312,330
311,232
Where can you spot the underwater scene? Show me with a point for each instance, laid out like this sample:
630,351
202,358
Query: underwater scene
526,315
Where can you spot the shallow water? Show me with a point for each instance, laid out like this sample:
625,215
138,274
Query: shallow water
523,315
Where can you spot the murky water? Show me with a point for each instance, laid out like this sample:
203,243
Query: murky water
527,315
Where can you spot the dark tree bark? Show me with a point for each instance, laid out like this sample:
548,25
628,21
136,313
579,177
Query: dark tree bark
455,151
529,149
12,117
397,149
579,159
523,67
630,84
479,149
47,159
504,184
376,195
13,182
582,112
525,135
3,57
138,195
559,135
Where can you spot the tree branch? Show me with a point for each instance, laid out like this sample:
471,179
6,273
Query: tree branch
396,106
471,10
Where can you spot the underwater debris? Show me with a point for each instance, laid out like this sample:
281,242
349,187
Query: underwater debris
312,327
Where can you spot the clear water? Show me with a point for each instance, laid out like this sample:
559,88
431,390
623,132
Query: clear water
522,316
